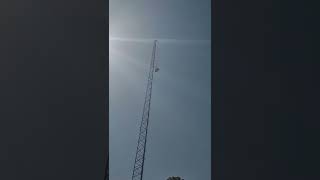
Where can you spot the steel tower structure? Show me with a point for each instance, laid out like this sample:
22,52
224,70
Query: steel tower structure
137,173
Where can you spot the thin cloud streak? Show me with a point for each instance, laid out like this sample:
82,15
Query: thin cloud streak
161,40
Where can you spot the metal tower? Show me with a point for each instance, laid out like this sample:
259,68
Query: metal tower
141,147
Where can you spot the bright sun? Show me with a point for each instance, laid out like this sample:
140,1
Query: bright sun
111,42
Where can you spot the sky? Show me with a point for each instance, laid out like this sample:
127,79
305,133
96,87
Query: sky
180,118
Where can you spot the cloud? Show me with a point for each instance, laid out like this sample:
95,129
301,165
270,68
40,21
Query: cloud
160,40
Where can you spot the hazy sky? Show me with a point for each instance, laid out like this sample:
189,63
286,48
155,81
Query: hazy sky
179,129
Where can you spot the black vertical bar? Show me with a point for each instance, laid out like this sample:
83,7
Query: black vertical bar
54,89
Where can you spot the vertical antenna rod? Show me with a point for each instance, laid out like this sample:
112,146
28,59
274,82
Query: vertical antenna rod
141,147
